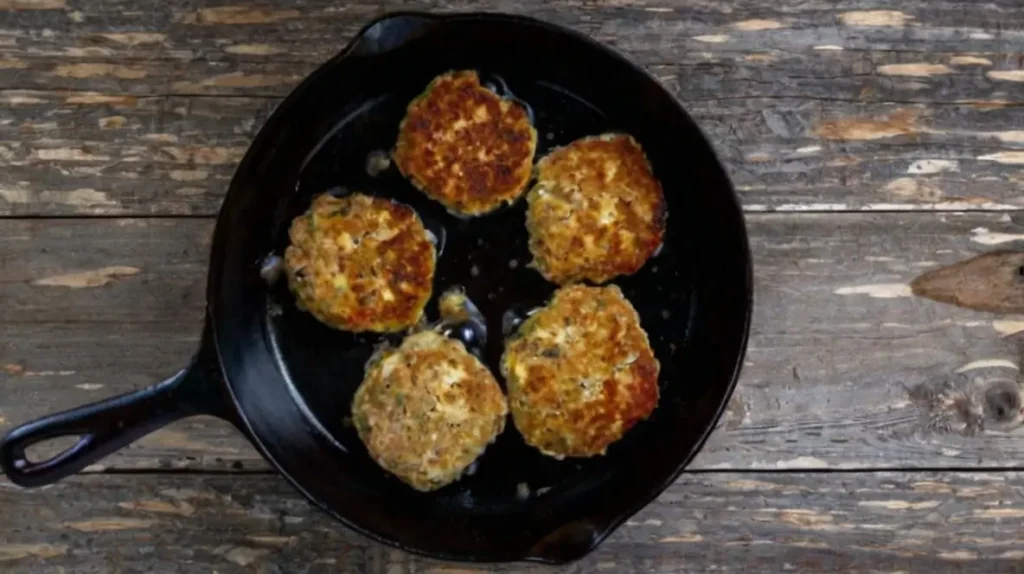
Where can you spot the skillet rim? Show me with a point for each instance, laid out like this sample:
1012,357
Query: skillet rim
219,251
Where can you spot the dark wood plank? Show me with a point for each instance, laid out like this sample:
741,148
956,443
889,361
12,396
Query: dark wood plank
757,522
841,365
87,316
115,110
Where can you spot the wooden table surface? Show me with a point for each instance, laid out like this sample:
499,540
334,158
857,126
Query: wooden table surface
870,141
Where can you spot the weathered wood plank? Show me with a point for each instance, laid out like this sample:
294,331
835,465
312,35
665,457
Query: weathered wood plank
104,271
116,110
176,155
94,153
757,522
176,30
841,361
762,66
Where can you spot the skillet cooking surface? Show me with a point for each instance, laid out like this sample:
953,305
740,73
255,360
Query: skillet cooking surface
293,378
488,257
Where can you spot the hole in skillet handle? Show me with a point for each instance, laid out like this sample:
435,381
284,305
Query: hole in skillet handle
49,448
106,426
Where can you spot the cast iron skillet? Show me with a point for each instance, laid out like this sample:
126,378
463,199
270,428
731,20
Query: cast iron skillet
286,381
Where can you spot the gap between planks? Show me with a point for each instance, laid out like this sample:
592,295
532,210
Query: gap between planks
880,470
911,209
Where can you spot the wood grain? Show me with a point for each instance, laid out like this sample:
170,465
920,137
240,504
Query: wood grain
840,357
109,109
766,522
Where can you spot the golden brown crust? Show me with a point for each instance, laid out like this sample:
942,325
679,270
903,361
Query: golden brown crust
427,410
580,372
596,211
360,263
465,146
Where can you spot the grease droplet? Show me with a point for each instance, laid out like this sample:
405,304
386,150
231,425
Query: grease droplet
271,268
377,161
522,491
512,318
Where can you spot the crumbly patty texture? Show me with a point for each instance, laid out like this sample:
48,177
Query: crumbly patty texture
596,211
360,263
580,372
427,410
465,146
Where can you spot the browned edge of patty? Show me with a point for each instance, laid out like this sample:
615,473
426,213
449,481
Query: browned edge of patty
398,257
568,241
506,139
576,396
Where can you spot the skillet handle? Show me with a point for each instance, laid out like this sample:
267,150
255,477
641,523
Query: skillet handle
570,542
111,424
392,31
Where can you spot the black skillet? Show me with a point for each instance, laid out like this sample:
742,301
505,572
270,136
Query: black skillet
286,381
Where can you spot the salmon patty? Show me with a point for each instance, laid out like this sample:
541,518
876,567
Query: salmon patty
427,410
596,211
580,372
360,263
465,146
